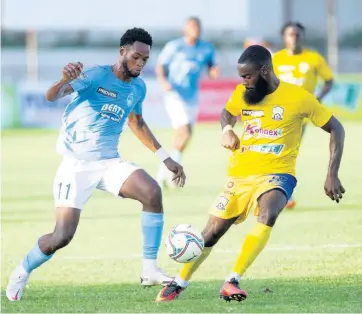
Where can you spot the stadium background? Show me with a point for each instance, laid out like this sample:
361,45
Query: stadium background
315,249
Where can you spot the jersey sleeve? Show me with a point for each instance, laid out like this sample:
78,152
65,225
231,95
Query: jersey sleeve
137,109
85,80
234,103
211,57
166,54
324,71
315,111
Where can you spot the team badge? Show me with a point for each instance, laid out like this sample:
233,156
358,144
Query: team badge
303,67
130,98
222,202
278,113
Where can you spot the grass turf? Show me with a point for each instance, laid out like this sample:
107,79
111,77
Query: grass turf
311,264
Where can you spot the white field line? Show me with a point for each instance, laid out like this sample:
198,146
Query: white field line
226,251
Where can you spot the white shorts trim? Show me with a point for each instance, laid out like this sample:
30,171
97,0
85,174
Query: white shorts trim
180,112
76,180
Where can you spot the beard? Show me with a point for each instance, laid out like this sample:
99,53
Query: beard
127,72
253,96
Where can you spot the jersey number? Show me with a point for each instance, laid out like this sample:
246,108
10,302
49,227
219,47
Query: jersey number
60,190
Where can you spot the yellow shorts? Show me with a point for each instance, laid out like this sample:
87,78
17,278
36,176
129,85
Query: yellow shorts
240,195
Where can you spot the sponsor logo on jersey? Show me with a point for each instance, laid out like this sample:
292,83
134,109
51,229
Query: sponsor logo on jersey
278,179
113,112
106,92
252,128
274,149
252,113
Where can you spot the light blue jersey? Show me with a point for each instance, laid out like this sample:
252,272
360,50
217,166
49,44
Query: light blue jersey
94,119
184,65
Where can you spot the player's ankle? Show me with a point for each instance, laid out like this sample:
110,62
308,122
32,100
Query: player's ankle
181,282
149,264
234,276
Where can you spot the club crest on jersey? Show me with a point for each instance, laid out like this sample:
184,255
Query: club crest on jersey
252,113
106,92
222,202
303,67
278,113
130,98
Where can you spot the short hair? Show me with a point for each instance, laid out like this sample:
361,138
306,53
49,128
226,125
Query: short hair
292,24
195,19
257,55
136,34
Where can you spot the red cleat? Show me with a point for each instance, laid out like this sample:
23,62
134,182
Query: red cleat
291,204
169,292
231,291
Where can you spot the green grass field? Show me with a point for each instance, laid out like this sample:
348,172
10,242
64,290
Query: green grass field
313,262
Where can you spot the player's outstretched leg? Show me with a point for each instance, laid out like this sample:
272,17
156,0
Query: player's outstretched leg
216,227
141,187
270,205
66,224
182,138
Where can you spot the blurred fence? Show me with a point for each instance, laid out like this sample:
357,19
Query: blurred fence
24,104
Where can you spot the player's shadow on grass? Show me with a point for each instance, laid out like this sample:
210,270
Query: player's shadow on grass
277,295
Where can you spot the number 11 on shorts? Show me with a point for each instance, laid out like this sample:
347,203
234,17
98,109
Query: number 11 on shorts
60,190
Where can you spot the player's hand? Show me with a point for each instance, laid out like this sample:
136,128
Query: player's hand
333,188
179,176
166,86
230,140
72,71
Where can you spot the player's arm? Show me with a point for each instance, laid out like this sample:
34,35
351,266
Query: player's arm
228,120
62,87
163,60
140,128
333,186
321,117
325,72
213,69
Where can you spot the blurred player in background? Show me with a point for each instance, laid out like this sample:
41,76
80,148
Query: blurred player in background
92,123
179,68
297,65
262,166
256,41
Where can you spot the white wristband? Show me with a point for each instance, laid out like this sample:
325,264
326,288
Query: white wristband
227,128
162,154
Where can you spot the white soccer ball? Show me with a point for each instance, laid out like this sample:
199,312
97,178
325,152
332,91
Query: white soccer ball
184,243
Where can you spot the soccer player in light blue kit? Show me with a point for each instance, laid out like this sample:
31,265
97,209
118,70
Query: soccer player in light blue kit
179,69
92,123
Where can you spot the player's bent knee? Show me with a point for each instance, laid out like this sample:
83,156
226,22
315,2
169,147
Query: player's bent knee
268,217
61,238
153,198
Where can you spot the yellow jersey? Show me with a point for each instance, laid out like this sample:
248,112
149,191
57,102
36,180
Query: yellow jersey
272,129
302,69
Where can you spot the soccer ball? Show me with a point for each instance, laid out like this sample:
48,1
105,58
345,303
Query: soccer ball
184,243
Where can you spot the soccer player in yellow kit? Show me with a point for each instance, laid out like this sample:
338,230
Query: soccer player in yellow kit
300,66
261,172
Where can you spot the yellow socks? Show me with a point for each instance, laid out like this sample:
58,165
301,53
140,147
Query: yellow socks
188,269
254,243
